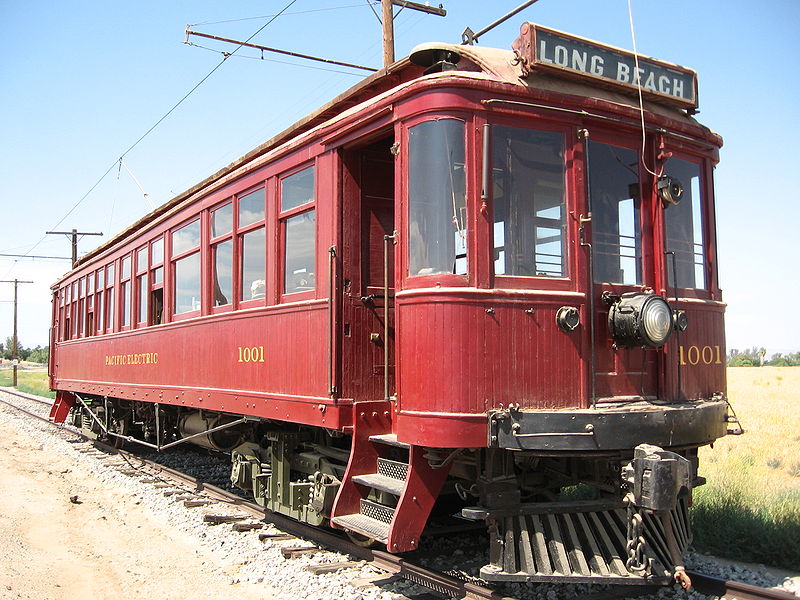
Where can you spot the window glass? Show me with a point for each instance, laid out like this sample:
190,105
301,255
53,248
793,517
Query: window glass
157,251
90,284
186,238
614,195
684,224
141,259
158,275
187,284
251,208
222,220
110,276
223,279
110,309
253,265
437,236
299,274
101,279
529,210
99,311
126,268
125,290
297,189
142,287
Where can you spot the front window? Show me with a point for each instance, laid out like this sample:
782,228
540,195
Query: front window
684,225
614,197
529,196
437,222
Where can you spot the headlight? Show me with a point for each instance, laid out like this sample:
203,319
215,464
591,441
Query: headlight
638,319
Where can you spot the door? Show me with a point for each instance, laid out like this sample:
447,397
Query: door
621,263
368,217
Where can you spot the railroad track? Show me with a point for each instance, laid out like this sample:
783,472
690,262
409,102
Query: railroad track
198,493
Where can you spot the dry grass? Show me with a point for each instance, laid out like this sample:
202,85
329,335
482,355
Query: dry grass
31,382
750,508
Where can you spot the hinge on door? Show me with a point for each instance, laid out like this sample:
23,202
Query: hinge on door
395,149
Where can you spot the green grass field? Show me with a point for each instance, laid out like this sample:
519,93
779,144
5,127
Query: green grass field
750,508
31,382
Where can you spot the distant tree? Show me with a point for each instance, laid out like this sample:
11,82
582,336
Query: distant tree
39,355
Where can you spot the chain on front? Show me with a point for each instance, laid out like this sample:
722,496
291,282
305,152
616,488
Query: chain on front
636,563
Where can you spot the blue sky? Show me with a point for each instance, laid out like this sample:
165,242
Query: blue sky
80,82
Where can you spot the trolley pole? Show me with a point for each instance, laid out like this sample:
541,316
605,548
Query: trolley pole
74,235
15,343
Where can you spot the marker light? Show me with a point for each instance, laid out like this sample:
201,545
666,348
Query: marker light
639,319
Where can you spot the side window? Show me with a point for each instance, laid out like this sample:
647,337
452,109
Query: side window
299,231
99,304
90,327
156,281
186,268
529,202
252,240
684,228
142,289
437,229
125,291
222,254
110,279
615,200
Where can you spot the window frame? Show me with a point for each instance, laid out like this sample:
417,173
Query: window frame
706,202
571,279
141,271
237,251
646,209
282,217
173,260
213,242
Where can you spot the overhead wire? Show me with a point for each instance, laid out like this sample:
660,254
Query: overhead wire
157,123
286,14
639,89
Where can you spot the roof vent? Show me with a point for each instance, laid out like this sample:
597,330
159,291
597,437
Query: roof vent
435,57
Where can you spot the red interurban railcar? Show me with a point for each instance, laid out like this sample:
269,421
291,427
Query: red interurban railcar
481,282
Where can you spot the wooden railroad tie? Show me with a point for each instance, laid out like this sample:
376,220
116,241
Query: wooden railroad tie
194,503
263,537
333,567
247,526
217,519
297,551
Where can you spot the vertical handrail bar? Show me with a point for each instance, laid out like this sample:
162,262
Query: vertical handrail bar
387,239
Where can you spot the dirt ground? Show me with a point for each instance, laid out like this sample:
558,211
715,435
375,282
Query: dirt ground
103,547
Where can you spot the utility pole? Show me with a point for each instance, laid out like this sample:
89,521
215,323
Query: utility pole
387,20
15,344
74,234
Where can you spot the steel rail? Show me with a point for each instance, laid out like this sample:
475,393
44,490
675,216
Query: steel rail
706,584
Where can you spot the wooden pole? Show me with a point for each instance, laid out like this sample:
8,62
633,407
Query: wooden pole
388,32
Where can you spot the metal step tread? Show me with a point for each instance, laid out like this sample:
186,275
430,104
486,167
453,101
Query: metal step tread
372,528
389,439
381,482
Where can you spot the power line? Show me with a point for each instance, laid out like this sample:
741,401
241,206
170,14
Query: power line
33,256
157,123
286,14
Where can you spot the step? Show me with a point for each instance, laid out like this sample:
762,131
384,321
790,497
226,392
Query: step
358,523
381,482
390,439
393,469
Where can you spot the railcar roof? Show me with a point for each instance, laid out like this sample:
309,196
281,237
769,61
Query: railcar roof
476,62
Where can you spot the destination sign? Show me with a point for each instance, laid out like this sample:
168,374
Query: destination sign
552,50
